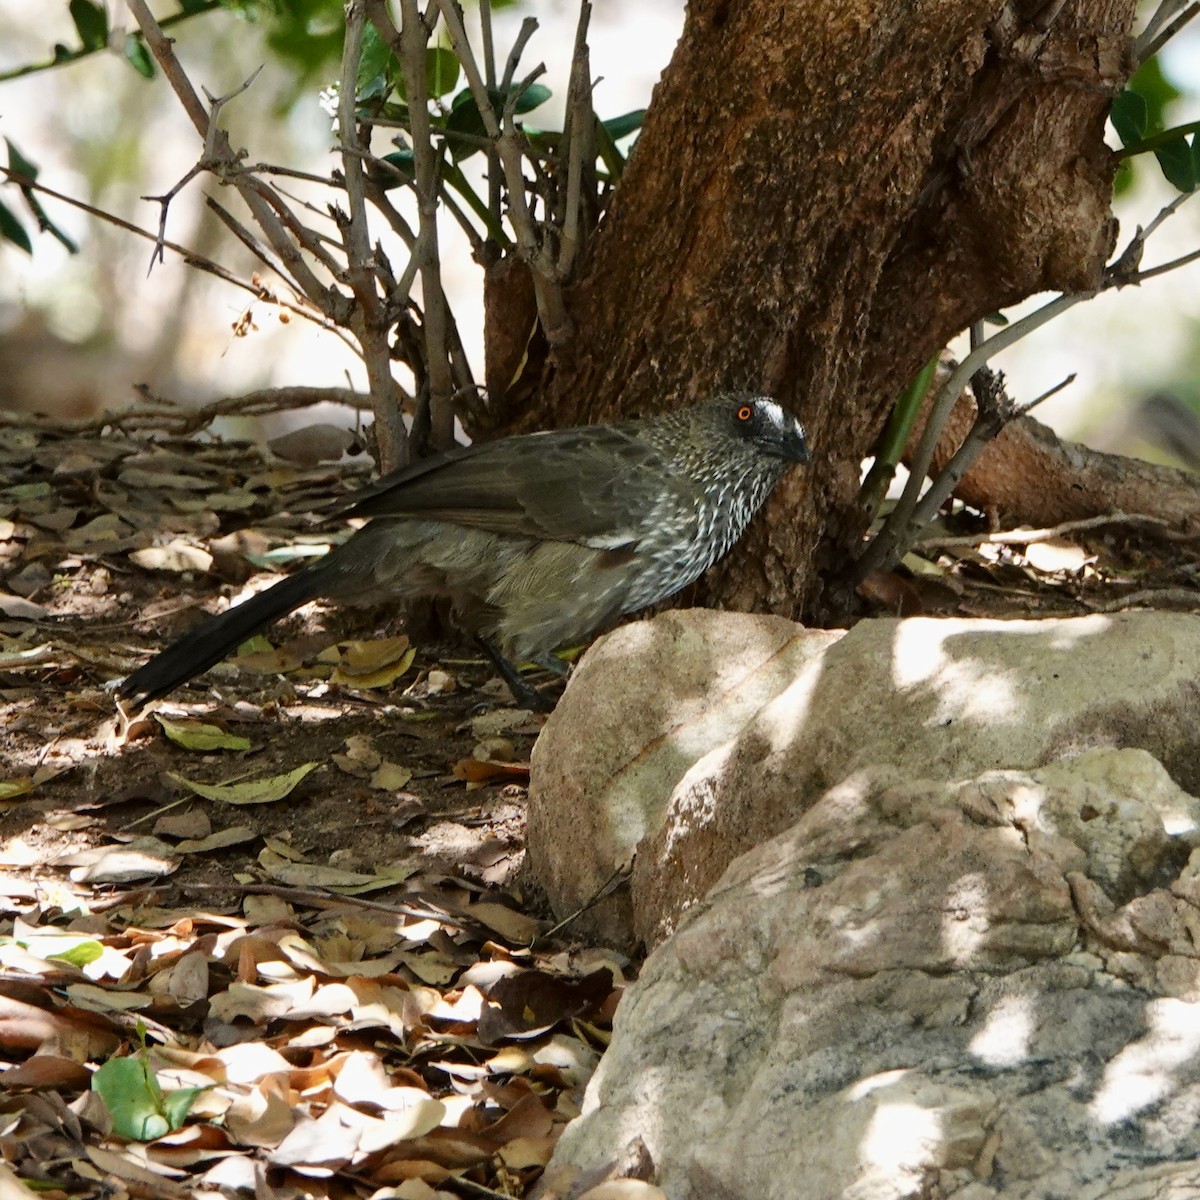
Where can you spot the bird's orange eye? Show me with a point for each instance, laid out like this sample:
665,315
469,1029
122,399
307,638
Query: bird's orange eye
745,413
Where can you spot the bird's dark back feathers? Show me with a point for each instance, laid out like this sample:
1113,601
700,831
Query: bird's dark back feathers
583,484
538,540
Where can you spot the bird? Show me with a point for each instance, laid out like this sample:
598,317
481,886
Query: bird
539,540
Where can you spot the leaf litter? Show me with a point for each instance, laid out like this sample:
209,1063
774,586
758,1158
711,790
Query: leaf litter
264,939
364,1046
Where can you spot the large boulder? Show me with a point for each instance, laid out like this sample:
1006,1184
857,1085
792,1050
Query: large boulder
690,738
985,988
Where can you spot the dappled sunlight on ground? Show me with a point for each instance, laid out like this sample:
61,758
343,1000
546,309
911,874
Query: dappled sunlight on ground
902,1139
965,923
1143,1073
971,690
1007,1028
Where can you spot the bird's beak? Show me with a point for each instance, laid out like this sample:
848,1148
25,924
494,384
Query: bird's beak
792,444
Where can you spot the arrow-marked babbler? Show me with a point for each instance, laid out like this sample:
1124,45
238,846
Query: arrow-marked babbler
538,540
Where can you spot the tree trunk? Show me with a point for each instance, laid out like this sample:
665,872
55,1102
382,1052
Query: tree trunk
822,196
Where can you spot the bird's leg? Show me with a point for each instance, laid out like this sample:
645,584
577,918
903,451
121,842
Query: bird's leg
552,663
524,693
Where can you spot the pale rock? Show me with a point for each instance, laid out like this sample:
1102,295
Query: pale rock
901,996
692,737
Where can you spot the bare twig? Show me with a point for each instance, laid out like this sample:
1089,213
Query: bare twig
578,131
181,421
465,386
495,192
1165,12
222,161
615,880
413,39
192,257
216,103
368,321
403,286
914,509
1151,598
263,168
164,203
62,56
992,415
1171,17
322,899
1022,537
1052,391
528,29
1163,268
243,235
308,239
552,309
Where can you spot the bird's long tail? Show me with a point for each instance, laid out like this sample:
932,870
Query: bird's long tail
219,636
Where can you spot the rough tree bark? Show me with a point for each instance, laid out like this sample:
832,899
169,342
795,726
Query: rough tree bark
821,197
1028,476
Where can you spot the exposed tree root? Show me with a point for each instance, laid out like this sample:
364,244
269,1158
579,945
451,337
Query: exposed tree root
1028,475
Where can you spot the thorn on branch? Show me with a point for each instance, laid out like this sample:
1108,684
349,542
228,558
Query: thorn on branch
164,203
215,104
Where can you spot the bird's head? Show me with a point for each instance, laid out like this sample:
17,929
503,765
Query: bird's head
763,423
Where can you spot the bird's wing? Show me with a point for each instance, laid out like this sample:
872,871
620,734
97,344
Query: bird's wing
582,485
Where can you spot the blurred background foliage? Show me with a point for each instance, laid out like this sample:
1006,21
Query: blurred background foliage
82,104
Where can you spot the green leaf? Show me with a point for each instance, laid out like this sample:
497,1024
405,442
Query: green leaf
532,97
1123,180
464,118
441,71
18,162
1156,89
84,951
623,126
132,1099
373,79
402,160
91,23
996,318
43,220
138,57
177,1104
1177,164
11,230
129,1090
307,34
464,115
1129,117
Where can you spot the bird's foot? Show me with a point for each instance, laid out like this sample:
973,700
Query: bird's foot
523,692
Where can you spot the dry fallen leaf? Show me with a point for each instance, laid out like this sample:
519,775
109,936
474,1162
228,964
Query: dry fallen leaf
1057,554
200,735
624,1189
477,770
255,791
390,777
174,556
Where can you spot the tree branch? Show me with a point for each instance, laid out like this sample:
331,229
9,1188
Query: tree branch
913,511
224,163
369,322
414,39
191,257
552,309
